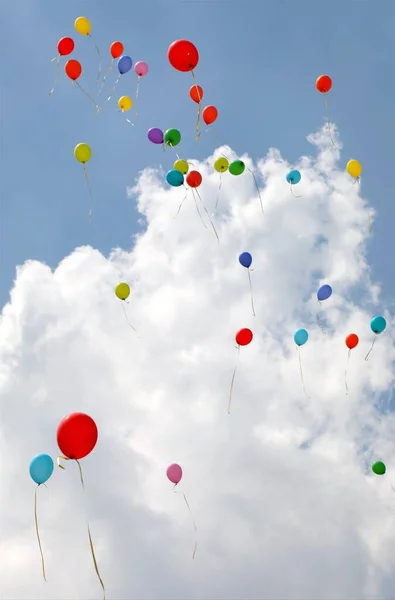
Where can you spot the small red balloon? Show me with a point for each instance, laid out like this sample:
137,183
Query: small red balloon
323,84
116,49
352,340
244,337
77,435
65,46
73,69
196,93
183,55
209,114
194,179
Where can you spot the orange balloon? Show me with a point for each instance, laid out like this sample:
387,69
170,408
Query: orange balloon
323,84
116,49
73,69
194,179
352,340
196,93
209,114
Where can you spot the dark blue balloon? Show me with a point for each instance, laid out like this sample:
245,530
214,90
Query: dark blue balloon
245,259
324,292
125,63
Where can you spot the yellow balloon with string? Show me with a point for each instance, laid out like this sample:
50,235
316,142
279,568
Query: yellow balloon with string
181,165
82,26
83,153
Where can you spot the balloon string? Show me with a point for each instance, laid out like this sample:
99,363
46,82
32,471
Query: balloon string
87,95
206,211
371,348
127,318
197,128
320,324
90,192
87,523
219,188
38,534
301,373
329,122
194,526
126,119
105,76
257,188
137,94
197,208
292,192
98,54
233,378
170,145
345,372
252,297
55,81
182,202
111,92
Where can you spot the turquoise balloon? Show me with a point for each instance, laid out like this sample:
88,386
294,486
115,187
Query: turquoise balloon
301,337
175,178
378,324
294,177
41,468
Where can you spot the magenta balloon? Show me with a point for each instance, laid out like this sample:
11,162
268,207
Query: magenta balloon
174,473
141,68
155,135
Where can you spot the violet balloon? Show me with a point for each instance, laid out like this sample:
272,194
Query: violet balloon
155,135
141,68
174,473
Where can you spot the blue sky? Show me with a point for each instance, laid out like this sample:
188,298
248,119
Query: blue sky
258,65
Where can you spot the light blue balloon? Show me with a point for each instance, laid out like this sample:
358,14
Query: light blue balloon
175,178
41,468
294,177
301,337
378,324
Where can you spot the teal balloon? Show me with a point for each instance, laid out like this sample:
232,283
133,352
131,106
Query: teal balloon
41,468
294,177
378,324
175,178
301,337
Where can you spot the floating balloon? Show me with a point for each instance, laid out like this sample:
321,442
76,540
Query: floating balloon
237,167
244,337
116,50
323,84
65,46
209,114
181,165
245,259
83,153
82,26
41,468
301,337
379,468
175,178
351,342
194,179
125,103
221,164
196,93
324,292
155,135
293,177
172,137
174,473
183,55
77,435
122,291
377,325
141,68
73,69
354,168
124,64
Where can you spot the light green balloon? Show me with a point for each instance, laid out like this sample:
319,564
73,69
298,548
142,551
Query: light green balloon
237,167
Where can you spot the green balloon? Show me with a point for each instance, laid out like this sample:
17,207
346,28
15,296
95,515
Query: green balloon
236,167
172,137
379,468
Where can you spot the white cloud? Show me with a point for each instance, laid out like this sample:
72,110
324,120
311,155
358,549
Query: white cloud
281,492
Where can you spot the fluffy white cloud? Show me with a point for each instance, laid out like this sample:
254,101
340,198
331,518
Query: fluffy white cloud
280,489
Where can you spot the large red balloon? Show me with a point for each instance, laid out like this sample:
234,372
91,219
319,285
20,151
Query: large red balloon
352,340
244,337
77,435
323,84
194,179
65,46
73,69
116,49
209,114
183,55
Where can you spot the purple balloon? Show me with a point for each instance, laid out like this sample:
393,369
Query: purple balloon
155,135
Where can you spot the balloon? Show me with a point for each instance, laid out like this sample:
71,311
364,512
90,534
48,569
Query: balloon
174,473
181,165
41,468
196,93
352,340
244,337
122,291
172,137
65,46
379,468
324,292
183,55
221,164
378,324
141,68
73,69
209,114
175,178
125,103
116,49
194,179
245,259
125,63
236,167
77,435
82,153
323,84
293,177
82,25
301,337
155,135
354,168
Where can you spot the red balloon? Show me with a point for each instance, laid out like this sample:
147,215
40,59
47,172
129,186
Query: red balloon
194,179
244,337
116,49
183,55
352,340
323,84
65,46
209,114
196,93
73,69
77,435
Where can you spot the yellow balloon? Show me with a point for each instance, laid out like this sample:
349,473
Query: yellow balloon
182,166
125,103
221,164
122,291
354,168
82,152
82,25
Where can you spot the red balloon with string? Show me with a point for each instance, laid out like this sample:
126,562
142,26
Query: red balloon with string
116,49
209,114
73,69
352,341
194,179
65,46
196,93
323,84
77,435
244,337
183,55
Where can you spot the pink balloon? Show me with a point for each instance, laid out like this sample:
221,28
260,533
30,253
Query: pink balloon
174,473
141,68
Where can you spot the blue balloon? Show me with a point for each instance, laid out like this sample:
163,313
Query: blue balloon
175,178
245,259
378,324
301,337
41,468
324,292
125,63
294,177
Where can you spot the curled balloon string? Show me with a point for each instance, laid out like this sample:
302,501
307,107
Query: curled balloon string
90,192
87,522
197,128
126,316
111,92
182,201
106,75
301,373
55,81
257,189
292,192
38,534
252,297
371,348
329,122
233,378
345,372
87,95
207,213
